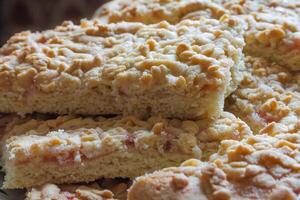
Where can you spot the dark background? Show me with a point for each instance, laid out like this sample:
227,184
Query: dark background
34,15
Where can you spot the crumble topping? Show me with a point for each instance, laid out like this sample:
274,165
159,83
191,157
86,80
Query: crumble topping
268,97
155,11
51,191
189,57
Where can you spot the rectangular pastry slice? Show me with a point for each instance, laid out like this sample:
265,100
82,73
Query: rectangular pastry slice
78,150
268,97
272,28
259,167
180,71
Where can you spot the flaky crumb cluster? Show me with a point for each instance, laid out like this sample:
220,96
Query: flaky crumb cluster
154,11
290,7
51,191
273,29
263,163
268,98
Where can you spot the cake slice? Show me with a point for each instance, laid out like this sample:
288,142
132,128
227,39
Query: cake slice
74,192
268,97
88,149
259,167
272,27
180,71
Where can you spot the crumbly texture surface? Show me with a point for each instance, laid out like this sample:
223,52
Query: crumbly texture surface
104,188
74,192
267,98
290,7
130,147
154,11
258,167
180,71
271,27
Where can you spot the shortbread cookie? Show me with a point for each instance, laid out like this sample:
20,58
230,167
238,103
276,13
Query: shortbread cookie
259,167
272,28
181,71
268,96
130,147
75,192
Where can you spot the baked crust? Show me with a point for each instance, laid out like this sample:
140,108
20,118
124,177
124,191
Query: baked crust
130,147
180,71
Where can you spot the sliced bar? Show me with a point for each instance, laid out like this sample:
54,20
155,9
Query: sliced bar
89,149
180,71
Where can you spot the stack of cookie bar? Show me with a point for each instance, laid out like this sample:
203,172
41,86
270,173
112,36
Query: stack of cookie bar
147,85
